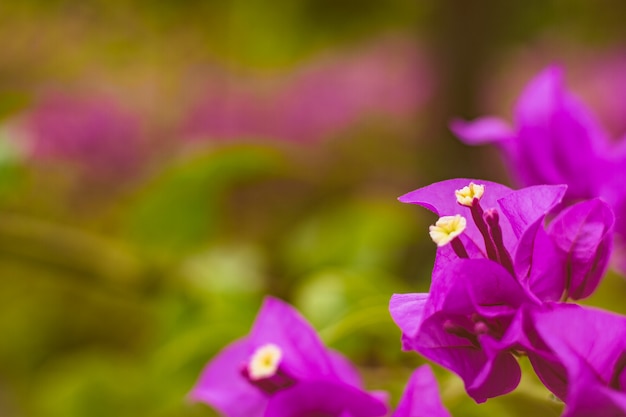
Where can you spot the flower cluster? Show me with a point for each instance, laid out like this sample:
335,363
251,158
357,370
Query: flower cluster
282,369
96,134
510,266
389,78
557,140
505,269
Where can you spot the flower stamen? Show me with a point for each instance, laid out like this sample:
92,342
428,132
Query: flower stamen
264,370
446,230
470,194
264,362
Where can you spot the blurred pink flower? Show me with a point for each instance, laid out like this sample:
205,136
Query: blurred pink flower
319,99
602,81
228,111
94,134
597,76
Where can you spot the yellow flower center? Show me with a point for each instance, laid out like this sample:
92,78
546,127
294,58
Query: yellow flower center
466,195
446,229
264,362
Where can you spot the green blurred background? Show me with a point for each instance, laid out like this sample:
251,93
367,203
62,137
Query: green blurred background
164,165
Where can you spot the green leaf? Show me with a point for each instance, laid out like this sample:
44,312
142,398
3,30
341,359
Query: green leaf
183,206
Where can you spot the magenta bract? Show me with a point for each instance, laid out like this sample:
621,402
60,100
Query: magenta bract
508,261
282,369
556,140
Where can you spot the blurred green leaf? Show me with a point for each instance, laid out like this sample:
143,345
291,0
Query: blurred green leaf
363,233
183,206
234,268
351,310
12,172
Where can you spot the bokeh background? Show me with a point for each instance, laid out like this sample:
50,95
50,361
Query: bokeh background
164,165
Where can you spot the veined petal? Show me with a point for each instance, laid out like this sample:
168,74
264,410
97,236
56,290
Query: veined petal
583,233
468,287
589,343
446,254
539,266
500,375
485,373
584,337
525,206
477,285
440,198
594,400
522,335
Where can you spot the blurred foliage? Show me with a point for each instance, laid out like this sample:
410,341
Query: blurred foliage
181,208
115,293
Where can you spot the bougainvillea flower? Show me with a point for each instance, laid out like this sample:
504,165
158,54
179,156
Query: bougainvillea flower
583,236
486,269
568,257
282,369
591,345
324,97
421,396
468,309
556,140
94,134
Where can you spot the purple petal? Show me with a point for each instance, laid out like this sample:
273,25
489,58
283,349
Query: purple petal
500,375
540,96
482,130
304,355
222,386
446,254
594,400
469,286
589,396
522,335
526,206
554,130
551,373
486,374
407,311
345,370
477,285
539,266
590,344
328,398
441,199
584,338
583,234
421,396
